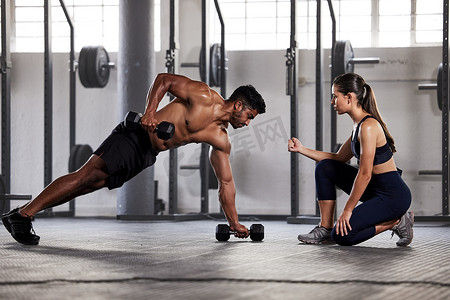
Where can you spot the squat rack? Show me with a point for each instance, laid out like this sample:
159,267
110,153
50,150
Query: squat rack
445,112
48,101
5,69
319,130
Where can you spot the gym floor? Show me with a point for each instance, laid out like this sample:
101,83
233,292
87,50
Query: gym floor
81,258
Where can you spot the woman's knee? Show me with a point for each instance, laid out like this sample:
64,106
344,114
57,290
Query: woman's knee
324,165
346,240
325,179
327,168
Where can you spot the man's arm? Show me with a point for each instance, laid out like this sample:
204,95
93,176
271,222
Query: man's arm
227,191
180,86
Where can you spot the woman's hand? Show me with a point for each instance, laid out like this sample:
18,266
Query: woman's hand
294,145
343,223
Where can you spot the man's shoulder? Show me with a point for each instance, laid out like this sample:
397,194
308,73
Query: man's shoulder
220,139
202,94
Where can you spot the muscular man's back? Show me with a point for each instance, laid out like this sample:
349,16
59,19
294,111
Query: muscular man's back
195,119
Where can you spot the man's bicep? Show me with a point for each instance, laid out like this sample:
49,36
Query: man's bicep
221,165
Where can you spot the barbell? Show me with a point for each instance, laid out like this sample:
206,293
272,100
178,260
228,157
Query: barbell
94,66
344,59
434,86
214,65
93,70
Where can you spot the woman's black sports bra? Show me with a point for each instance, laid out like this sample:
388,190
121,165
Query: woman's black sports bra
382,154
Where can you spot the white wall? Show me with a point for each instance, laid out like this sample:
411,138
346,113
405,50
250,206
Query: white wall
259,157
96,115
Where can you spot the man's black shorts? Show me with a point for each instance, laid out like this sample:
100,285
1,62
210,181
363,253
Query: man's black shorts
126,152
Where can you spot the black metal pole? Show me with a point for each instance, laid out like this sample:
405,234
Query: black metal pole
319,85
223,67
6,102
204,156
72,91
171,56
291,90
445,113
333,120
48,93
72,78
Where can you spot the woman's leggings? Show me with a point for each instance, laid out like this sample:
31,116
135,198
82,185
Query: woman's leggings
386,198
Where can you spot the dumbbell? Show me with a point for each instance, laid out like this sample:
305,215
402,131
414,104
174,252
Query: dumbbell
164,130
223,232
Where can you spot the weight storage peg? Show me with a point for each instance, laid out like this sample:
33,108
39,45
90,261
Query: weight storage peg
164,130
223,232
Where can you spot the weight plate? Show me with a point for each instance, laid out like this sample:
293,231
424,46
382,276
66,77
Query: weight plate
214,65
439,87
102,68
201,65
82,67
79,155
93,68
342,55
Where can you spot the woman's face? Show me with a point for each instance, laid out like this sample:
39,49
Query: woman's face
339,101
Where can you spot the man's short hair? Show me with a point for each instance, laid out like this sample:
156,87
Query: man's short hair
249,97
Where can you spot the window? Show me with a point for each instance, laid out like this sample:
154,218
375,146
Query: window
394,23
354,22
265,24
254,24
96,22
428,25
249,24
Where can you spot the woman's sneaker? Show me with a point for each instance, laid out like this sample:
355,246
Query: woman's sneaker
318,235
404,229
20,227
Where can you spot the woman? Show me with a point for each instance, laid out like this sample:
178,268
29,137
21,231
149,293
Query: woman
376,183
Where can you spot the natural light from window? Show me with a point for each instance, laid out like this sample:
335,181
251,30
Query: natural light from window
249,24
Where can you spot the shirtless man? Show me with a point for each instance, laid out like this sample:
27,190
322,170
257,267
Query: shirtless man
199,114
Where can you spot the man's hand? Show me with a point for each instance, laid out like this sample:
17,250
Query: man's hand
241,231
149,122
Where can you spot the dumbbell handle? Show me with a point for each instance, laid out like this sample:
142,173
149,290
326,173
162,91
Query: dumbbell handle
234,231
164,130
138,120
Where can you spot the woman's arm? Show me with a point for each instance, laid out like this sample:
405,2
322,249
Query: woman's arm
368,141
344,154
